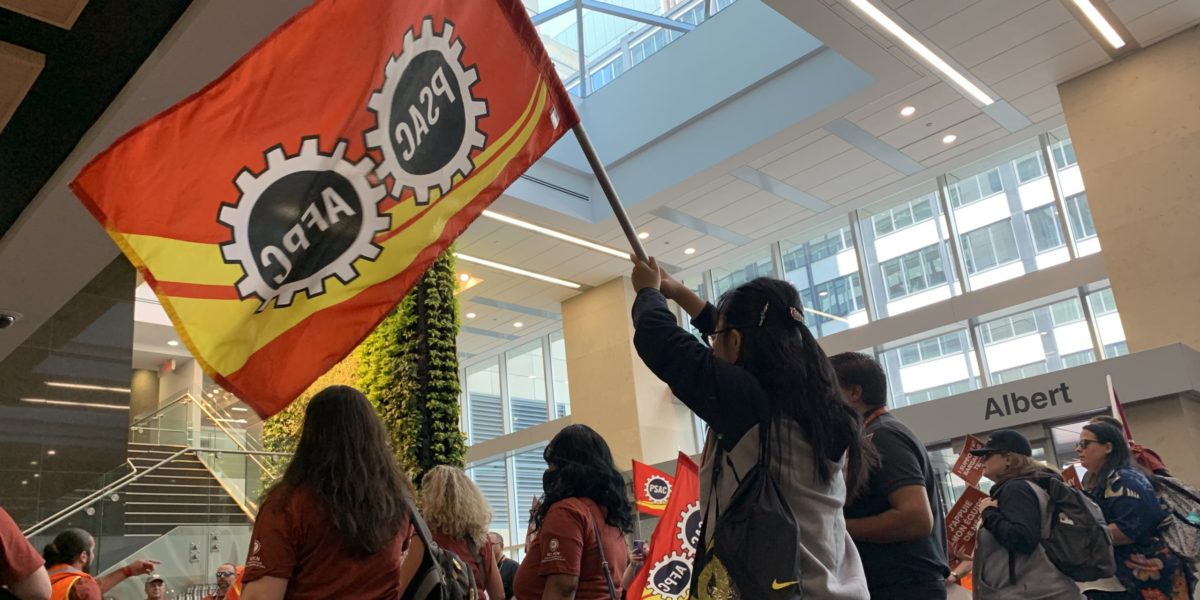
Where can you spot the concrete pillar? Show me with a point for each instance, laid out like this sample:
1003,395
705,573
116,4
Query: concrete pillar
1169,426
1135,124
611,390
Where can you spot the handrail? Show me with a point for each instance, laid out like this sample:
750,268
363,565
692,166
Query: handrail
249,507
121,483
182,397
229,433
61,515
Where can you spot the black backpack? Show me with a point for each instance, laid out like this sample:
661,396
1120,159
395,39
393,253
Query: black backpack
754,553
1078,541
442,574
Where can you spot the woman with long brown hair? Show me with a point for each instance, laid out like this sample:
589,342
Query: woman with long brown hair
337,524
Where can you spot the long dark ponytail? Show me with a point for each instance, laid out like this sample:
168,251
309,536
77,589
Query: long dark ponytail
781,352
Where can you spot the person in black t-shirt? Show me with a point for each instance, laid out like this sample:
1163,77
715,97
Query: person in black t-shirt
897,522
508,566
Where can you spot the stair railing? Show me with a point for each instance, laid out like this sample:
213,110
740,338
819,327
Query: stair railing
127,480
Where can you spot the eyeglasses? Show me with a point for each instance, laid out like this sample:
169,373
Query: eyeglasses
226,573
1083,443
708,337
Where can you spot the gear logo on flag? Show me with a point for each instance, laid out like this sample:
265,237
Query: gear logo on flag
304,219
671,577
658,489
687,530
427,118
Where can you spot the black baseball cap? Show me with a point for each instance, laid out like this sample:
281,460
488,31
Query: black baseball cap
1005,440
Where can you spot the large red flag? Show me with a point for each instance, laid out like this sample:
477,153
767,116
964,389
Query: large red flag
283,210
651,489
667,574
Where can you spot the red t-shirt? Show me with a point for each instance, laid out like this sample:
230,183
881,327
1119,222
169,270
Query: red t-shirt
294,538
566,545
18,559
463,551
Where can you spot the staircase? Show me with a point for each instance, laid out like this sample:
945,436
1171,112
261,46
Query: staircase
181,492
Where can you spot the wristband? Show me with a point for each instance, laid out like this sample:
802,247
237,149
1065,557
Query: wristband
127,571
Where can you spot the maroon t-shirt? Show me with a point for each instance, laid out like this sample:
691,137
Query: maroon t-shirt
566,545
18,559
294,538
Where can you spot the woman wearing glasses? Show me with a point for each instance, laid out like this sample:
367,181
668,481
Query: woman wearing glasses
1146,567
761,365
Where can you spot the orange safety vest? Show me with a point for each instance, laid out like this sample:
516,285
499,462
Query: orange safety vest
235,590
63,580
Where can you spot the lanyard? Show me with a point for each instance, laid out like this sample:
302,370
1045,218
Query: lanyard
874,415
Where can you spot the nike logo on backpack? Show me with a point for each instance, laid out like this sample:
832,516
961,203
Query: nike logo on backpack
775,585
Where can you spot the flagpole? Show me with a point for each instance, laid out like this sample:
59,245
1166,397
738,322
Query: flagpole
1117,410
585,143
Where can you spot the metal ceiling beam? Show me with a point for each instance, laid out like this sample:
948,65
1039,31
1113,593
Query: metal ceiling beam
557,10
637,15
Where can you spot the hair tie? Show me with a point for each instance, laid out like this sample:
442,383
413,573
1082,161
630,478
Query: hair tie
762,317
797,315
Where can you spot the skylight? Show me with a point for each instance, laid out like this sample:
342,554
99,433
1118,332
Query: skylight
615,35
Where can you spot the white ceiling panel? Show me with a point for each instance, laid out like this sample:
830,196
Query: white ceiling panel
1001,36
805,157
1032,53
924,14
922,126
975,20
799,143
830,168
927,102
840,185
966,131
1153,26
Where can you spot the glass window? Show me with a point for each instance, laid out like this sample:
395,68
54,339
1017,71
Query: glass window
727,278
1067,311
1064,154
1070,180
989,247
975,188
528,467
558,375
825,271
907,243
485,419
903,216
492,479
1030,167
934,367
1080,217
1017,373
1108,322
526,385
1076,359
1037,340
1043,226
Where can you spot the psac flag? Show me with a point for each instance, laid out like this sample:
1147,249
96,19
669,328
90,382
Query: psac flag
651,488
283,210
667,574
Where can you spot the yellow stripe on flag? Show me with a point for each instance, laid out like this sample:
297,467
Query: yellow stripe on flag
183,261
229,332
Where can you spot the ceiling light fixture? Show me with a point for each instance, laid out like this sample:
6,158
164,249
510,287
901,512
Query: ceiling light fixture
689,251
908,111
1100,23
518,324
923,51
239,408
470,315
644,235
51,452
69,403
949,139
517,271
83,386
558,235
172,343
464,277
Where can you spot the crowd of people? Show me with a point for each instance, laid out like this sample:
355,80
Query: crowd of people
813,433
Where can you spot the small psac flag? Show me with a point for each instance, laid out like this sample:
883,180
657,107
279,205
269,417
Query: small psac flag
651,488
667,574
283,210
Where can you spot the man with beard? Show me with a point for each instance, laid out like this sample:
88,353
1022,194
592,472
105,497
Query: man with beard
229,584
68,558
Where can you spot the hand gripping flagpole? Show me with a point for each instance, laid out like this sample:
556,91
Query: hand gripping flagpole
585,143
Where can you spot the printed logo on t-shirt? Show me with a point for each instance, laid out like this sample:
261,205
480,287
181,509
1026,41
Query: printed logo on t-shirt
552,553
254,561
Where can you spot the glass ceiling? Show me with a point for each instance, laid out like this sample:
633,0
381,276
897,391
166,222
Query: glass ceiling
615,35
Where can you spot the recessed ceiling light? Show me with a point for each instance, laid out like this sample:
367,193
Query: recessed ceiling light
464,278
558,235
83,386
1100,23
33,463
470,315
643,235
51,452
949,139
923,51
24,482
172,343
36,475
518,324
689,251
908,111
517,271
